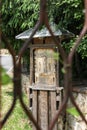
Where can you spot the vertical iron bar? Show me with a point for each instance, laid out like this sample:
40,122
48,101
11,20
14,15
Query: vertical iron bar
0,81
0,66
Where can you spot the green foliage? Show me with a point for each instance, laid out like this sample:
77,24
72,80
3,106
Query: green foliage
68,45
82,48
67,13
73,111
5,79
20,15
56,56
63,70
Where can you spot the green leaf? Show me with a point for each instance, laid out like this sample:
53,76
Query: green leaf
5,79
56,56
63,70
73,111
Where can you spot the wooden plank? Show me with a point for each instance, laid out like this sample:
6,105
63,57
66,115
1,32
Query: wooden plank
53,107
35,46
43,111
44,87
31,66
34,107
30,105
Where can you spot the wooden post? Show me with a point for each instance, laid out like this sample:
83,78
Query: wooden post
31,66
53,107
43,110
44,88
35,106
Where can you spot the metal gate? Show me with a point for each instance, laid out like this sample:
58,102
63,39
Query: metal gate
67,63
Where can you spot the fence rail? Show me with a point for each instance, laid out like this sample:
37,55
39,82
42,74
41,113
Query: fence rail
67,63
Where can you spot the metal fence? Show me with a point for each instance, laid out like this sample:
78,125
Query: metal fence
67,63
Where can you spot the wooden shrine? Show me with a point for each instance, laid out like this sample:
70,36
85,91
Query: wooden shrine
45,95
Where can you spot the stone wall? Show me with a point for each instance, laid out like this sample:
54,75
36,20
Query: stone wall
76,123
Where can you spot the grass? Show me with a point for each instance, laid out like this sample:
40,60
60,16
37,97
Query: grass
18,119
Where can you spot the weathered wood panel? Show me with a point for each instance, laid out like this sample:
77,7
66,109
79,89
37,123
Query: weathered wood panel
45,72
46,80
31,66
34,107
53,107
43,111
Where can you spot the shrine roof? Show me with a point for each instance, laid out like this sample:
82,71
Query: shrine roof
44,32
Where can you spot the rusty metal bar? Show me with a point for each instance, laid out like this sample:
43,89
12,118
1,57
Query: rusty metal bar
0,67
8,114
0,82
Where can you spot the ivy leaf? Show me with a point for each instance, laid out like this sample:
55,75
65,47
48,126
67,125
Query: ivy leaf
5,79
73,111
